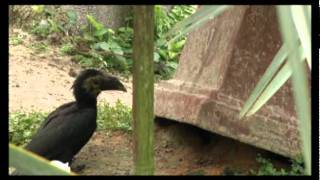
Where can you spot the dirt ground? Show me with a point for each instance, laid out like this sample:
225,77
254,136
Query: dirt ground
42,81
180,149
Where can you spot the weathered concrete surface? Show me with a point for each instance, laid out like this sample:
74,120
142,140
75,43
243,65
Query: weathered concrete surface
220,65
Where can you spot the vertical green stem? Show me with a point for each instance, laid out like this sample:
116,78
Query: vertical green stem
143,116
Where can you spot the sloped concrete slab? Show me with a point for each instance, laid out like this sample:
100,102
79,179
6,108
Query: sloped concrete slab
220,65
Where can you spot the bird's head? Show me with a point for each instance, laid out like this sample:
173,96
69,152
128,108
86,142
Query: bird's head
91,82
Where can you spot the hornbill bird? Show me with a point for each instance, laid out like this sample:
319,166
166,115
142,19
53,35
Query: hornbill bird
67,129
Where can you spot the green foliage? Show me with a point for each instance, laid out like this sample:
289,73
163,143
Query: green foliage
38,9
112,49
295,22
39,46
67,49
109,49
15,40
53,21
167,55
267,168
42,29
295,53
90,60
199,172
29,163
116,117
23,125
164,21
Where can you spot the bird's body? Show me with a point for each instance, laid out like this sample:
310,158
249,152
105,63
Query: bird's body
67,129
57,140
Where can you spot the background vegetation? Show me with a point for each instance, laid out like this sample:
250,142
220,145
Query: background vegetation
101,47
98,46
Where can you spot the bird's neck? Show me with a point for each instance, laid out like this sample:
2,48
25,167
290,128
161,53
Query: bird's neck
85,99
87,102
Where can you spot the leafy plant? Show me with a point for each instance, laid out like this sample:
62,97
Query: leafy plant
116,117
267,168
23,125
199,172
29,163
15,40
295,23
38,9
39,46
290,60
162,21
53,21
112,49
42,29
67,48
167,54
196,20
293,26
106,47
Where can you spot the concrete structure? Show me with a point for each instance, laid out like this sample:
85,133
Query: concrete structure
219,67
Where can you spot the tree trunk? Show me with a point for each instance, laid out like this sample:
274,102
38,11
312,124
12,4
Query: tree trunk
143,114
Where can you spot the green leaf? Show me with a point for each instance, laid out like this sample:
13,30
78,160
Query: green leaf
177,45
156,57
196,20
299,78
122,29
102,45
72,16
110,31
272,80
265,79
303,26
172,54
28,163
173,64
278,81
163,54
38,9
99,33
120,63
54,26
161,42
94,23
87,36
114,47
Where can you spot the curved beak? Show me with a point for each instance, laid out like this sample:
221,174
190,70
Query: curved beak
122,88
112,83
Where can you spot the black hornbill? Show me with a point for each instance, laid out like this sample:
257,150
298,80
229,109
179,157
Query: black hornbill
67,129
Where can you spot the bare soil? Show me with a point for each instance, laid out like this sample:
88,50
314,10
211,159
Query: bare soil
41,81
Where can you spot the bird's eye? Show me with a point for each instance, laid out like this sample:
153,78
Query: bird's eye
94,81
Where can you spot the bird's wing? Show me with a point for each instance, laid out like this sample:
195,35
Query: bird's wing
65,135
56,113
